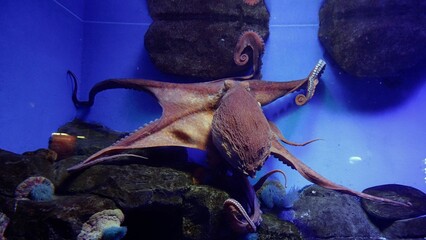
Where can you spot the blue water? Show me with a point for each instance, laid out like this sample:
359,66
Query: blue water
369,137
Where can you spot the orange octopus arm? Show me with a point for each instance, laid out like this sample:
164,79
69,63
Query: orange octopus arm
286,157
186,119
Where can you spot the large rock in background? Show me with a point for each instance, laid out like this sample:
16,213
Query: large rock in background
326,214
396,221
374,38
388,212
321,213
196,38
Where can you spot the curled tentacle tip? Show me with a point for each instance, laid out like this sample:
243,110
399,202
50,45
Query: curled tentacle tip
300,99
242,59
249,39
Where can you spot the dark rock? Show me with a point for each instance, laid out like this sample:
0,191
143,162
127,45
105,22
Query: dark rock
15,168
202,215
97,137
161,191
274,228
195,38
151,196
326,214
388,212
374,39
61,218
414,228
132,186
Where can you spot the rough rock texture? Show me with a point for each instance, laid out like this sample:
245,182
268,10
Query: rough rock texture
160,191
396,221
414,228
273,228
195,38
15,168
374,38
325,214
133,185
157,192
61,218
387,212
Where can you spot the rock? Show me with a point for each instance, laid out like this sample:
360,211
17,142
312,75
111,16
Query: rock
61,218
154,195
15,168
131,186
202,214
274,228
414,228
326,214
387,212
195,38
161,191
374,39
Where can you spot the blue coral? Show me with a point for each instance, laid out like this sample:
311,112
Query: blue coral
274,195
249,236
292,195
114,233
41,192
37,188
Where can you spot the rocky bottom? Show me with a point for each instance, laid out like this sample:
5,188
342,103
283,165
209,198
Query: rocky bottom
167,197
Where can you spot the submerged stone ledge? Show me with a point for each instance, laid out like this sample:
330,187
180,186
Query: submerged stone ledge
162,191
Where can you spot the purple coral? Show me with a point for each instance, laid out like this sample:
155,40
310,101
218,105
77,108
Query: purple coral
35,188
4,221
102,223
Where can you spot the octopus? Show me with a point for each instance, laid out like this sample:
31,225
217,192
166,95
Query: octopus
223,117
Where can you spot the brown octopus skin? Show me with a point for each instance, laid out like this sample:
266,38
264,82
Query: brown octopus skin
254,42
190,112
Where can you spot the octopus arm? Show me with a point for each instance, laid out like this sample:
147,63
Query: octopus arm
186,119
287,158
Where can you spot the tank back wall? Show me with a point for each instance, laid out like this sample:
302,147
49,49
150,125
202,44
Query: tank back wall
101,39
39,42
